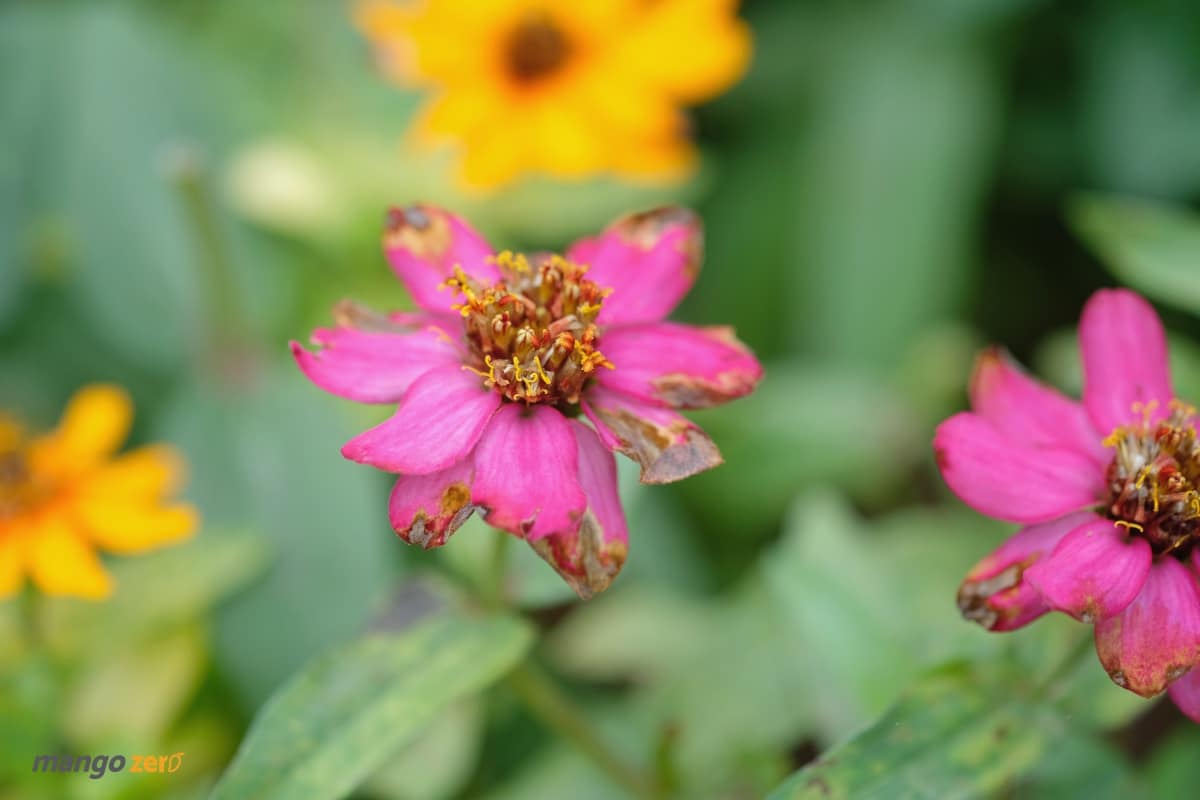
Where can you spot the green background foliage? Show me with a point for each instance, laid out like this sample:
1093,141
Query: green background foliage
186,186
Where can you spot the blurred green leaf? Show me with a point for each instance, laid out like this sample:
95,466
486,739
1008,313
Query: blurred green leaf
1139,97
805,424
137,692
341,718
438,760
893,168
154,592
731,701
875,601
956,733
1152,247
29,697
1174,769
267,455
110,132
1083,767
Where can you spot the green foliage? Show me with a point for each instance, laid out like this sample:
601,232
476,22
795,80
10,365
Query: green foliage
155,592
347,713
186,186
325,521
947,737
1153,248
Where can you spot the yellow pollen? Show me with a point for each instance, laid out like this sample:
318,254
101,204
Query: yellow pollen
1128,525
534,328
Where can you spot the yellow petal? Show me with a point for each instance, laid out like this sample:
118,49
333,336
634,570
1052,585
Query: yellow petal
693,49
148,473
129,528
96,422
61,562
10,433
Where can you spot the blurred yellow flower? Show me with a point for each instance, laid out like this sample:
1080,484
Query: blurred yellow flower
564,87
65,494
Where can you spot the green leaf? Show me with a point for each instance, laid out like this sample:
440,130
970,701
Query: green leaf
1152,247
137,692
155,592
956,733
894,168
348,712
1174,770
876,600
324,518
825,423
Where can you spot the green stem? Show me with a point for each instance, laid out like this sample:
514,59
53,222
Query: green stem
225,320
496,594
548,703
544,699
1070,662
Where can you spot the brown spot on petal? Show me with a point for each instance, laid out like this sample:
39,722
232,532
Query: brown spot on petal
691,391
974,596
423,231
585,561
666,454
454,509
646,228
454,498
1146,681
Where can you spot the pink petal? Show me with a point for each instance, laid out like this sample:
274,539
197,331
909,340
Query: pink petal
590,558
1185,692
1157,638
373,367
424,243
649,260
1124,354
1007,481
437,424
678,365
1028,413
668,446
426,509
995,593
527,472
1094,572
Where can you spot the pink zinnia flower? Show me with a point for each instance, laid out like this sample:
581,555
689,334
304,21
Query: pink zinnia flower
509,351
1109,492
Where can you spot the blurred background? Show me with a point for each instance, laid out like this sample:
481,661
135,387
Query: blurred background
186,186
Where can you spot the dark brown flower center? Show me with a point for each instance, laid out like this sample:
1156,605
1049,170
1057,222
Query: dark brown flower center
536,48
533,335
18,489
1154,479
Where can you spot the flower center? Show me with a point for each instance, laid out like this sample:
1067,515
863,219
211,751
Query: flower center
536,48
1154,479
533,334
19,491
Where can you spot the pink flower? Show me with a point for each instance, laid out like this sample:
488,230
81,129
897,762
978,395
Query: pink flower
509,354
1109,492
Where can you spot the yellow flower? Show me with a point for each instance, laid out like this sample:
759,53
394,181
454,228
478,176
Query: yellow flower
565,87
66,493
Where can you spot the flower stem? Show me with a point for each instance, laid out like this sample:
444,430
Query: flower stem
548,703
226,323
543,698
1082,649
496,592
